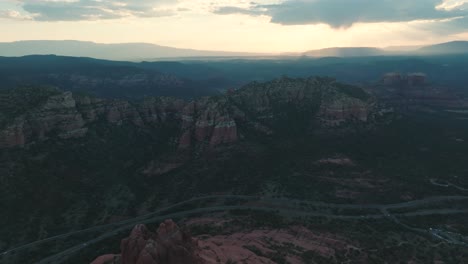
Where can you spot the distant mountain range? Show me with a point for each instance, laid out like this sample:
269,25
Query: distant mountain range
111,78
145,51
195,78
122,51
454,47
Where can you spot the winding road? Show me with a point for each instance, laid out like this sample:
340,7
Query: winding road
447,184
288,207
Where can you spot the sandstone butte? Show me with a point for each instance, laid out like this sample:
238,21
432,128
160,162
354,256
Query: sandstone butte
211,121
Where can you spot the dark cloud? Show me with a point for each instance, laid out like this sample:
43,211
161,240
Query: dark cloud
344,13
93,9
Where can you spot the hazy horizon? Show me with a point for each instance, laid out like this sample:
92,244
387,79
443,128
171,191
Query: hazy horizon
391,47
270,26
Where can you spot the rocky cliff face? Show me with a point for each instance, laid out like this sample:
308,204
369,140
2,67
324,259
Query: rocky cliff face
209,121
169,245
58,117
320,99
338,111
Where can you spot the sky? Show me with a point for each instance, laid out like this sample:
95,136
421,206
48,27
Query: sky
266,26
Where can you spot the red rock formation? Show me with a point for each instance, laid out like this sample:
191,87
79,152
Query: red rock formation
70,116
262,245
120,111
58,114
336,112
157,110
132,246
392,78
209,121
90,108
417,79
107,259
169,245
225,131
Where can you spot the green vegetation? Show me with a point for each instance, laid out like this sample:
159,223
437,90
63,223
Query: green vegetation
311,257
254,250
20,101
67,185
353,91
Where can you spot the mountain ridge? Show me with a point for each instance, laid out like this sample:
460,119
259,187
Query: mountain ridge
452,47
114,51
147,51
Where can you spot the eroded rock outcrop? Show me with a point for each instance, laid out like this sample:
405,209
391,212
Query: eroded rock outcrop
323,99
209,121
341,110
206,122
168,245
58,116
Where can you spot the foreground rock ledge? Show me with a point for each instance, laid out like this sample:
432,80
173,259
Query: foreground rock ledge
169,245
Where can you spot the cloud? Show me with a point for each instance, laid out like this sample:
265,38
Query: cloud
228,10
345,13
75,10
444,27
13,14
454,4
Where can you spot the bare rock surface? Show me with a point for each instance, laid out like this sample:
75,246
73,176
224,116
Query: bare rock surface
168,245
